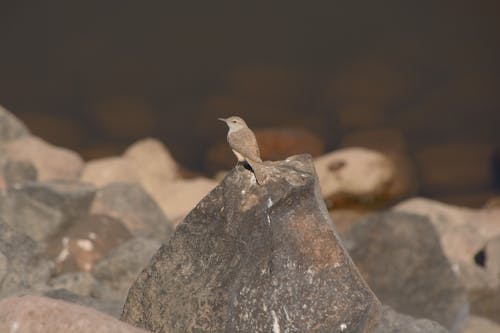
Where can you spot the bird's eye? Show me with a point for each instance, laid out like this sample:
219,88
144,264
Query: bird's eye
234,121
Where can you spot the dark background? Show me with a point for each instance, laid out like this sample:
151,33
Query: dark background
95,76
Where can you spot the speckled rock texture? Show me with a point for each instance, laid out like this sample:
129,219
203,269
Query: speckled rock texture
255,258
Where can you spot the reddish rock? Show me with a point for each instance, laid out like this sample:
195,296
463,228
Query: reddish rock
34,314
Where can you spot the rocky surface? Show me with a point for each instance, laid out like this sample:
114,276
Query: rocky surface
255,258
401,258
356,172
10,127
481,325
393,322
129,203
33,314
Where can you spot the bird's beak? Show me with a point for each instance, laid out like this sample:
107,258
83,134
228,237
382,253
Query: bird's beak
222,119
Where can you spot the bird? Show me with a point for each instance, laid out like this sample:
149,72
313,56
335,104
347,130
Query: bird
244,145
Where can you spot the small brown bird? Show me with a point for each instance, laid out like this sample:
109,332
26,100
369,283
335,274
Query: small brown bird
244,145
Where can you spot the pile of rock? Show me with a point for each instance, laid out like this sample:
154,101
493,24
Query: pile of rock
105,234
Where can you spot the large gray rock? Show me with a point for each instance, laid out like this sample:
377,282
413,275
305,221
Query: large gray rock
40,209
22,264
393,322
33,314
129,203
10,127
401,258
255,258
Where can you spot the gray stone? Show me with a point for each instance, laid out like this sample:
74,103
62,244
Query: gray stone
15,172
393,322
41,209
120,268
80,283
255,258
129,203
26,265
401,258
10,127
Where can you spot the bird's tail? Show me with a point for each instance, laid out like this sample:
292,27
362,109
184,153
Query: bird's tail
259,170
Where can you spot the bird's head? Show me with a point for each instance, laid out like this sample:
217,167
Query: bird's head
234,123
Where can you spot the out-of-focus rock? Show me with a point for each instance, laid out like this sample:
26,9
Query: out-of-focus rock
179,197
345,219
34,314
493,202
41,209
477,324
119,268
253,258
130,204
392,144
393,322
401,258
464,233
485,303
85,242
51,162
23,265
80,283
152,162
17,172
355,172
11,128
455,167
274,143
108,170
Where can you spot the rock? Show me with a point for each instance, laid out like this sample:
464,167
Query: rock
18,172
179,197
254,258
80,283
130,204
345,219
401,258
11,128
393,322
119,268
104,171
477,324
152,162
51,162
274,143
85,242
355,172
493,202
34,314
40,209
24,264
485,303
463,233
443,169
108,305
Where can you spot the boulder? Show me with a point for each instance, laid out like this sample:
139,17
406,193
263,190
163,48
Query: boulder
357,172
255,258
23,265
481,325
86,241
18,171
393,322
130,204
464,234
34,314
51,162
401,258
41,209
11,128
104,171
120,268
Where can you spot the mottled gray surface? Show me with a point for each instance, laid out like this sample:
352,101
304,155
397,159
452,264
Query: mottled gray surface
393,322
131,204
255,258
25,264
401,258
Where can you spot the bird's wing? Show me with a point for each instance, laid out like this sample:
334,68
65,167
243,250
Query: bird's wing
244,142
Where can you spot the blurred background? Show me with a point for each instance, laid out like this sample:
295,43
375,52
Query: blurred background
418,81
